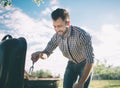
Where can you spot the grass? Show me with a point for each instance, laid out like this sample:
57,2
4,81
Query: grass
105,84
101,84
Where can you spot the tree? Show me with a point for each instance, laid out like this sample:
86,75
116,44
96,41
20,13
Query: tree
101,71
38,2
5,3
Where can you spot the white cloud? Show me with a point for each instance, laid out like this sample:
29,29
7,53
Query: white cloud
54,2
53,5
46,11
109,46
106,43
2,33
1,11
110,37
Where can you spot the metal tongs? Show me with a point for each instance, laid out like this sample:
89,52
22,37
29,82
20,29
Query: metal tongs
31,68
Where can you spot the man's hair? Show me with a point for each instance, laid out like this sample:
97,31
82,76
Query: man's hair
60,13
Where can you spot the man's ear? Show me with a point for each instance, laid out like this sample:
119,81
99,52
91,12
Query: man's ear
68,23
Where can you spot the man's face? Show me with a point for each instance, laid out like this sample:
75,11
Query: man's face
59,26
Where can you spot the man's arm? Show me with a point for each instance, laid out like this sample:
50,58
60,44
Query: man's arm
89,55
86,72
52,44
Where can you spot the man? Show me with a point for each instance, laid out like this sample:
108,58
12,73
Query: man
75,44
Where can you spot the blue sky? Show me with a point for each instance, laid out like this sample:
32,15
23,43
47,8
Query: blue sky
101,18
86,11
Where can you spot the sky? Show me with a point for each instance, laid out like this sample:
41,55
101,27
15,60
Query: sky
101,18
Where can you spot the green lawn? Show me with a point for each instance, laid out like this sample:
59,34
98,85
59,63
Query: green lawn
105,84
101,84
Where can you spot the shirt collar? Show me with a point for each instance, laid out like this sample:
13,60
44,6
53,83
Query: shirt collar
70,31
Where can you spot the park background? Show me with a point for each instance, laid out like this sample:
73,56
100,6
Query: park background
99,17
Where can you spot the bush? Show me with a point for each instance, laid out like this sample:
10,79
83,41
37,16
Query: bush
42,74
106,72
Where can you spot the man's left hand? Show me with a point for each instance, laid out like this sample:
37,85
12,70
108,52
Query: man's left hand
77,85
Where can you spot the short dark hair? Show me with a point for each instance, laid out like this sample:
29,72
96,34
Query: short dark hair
60,13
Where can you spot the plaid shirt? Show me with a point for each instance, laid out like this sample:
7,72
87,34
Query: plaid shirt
76,46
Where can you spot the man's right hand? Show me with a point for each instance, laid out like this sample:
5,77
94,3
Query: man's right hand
35,56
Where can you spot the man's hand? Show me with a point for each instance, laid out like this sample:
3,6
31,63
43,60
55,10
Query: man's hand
35,56
77,85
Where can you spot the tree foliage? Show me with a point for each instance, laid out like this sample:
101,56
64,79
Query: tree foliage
38,2
5,3
101,71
